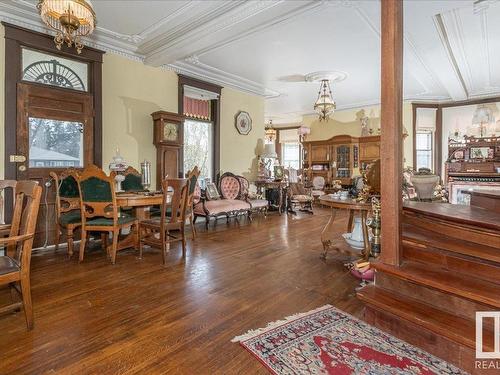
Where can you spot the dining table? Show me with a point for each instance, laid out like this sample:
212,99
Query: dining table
141,202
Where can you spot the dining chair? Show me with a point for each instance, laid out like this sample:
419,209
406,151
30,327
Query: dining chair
68,213
157,231
15,265
132,180
192,178
5,187
99,210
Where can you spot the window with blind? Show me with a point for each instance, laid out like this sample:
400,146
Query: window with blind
424,138
290,148
200,127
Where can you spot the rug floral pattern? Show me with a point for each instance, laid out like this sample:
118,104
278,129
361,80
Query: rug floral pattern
329,341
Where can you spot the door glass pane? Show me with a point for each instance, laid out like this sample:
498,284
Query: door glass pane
54,70
198,147
55,144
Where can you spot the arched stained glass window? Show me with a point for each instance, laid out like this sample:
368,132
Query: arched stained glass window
54,70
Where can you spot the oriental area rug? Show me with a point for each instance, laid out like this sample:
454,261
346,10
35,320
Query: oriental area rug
329,341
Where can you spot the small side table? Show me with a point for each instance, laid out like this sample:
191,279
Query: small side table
353,207
280,186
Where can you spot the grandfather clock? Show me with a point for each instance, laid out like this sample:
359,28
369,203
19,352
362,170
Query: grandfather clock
168,139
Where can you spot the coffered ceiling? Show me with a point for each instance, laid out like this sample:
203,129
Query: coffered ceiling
266,47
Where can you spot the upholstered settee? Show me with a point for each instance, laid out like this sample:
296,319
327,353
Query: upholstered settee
233,200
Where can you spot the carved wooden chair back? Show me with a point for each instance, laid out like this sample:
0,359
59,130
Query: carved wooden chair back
26,205
132,181
6,187
97,192
192,180
67,192
178,189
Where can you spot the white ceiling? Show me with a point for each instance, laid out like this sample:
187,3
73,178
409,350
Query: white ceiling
451,52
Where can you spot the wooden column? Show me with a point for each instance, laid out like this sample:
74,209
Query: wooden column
391,152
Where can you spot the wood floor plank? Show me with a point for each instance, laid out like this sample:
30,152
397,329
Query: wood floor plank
139,317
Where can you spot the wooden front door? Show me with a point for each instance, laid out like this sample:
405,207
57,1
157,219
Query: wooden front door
54,132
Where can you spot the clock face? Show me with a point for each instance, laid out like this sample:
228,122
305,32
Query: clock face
170,132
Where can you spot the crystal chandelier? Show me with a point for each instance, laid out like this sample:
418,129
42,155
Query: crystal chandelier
71,19
325,106
270,133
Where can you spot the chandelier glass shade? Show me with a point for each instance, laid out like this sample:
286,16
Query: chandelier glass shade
325,106
71,19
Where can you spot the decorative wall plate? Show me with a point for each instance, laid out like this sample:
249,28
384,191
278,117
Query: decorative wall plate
243,122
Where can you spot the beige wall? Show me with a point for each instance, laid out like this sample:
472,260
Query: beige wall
2,101
131,92
239,152
347,122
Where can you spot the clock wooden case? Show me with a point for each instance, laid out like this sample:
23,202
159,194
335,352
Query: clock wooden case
168,137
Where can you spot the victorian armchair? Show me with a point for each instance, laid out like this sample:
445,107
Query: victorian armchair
299,196
257,203
68,213
15,265
318,184
99,211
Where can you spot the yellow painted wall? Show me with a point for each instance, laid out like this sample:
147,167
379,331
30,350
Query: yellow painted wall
239,152
348,122
2,101
131,92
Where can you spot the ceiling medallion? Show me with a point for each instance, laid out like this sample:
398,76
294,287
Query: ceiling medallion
71,19
325,106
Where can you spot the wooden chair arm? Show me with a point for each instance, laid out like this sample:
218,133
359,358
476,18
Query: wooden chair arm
23,238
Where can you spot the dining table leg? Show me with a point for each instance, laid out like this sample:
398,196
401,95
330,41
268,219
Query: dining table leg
141,212
326,235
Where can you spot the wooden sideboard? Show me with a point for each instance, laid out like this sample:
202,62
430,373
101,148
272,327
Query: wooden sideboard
339,158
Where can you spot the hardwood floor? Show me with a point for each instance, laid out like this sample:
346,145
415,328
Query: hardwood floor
138,317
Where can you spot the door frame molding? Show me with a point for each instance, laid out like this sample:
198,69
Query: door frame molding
17,37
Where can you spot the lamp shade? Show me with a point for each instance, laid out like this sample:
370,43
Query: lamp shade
270,151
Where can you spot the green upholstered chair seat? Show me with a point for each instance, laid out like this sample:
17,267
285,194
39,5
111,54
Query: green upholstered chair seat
103,221
155,211
70,217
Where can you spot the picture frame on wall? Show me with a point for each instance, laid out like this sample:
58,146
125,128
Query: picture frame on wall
243,122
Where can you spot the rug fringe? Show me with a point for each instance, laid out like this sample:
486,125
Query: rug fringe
255,332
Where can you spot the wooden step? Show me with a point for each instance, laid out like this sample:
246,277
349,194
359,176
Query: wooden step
415,235
449,282
450,303
477,225
455,256
452,327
